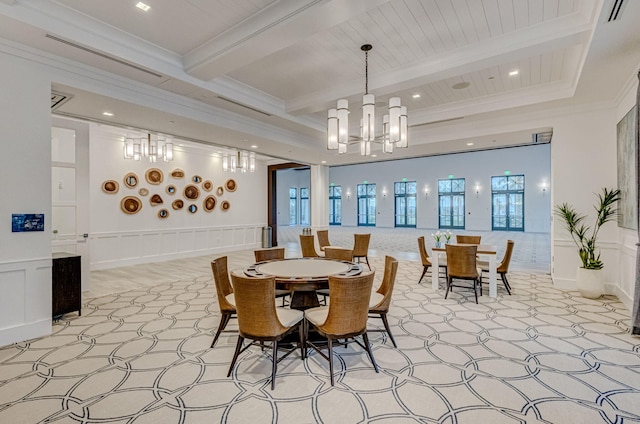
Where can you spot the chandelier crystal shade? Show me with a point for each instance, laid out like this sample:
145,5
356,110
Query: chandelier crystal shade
152,148
394,124
240,161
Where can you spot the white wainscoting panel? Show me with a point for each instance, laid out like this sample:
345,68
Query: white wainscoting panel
116,249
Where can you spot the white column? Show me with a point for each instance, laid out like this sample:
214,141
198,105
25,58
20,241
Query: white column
319,196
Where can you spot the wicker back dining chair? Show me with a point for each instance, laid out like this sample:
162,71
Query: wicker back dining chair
462,265
381,299
345,317
307,246
361,248
503,266
224,291
259,320
460,238
426,260
273,254
323,239
340,253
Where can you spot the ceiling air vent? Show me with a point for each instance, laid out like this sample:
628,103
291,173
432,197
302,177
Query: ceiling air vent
58,99
616,9
541,137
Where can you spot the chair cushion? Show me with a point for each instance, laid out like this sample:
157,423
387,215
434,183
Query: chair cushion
231,299
289,317
375,299
282,292
483,265
317,315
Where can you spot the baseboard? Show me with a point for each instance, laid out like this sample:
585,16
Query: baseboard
23,332
622,296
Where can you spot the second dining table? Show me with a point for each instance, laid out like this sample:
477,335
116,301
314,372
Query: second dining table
487,250
303,276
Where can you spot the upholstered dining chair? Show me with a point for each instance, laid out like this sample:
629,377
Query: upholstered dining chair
259,320
307,246
273,254
426,260
460,238
224,290
503,266
462,265
381,298
323,239
361,248
345,317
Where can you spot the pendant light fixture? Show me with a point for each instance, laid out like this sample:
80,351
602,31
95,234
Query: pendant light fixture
239,162
151,148
394,124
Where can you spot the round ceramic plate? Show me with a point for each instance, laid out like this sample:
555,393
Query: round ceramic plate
207,185
191,192
177,204
130,180
143,192
225,205
197,179
177,173
192,208
154,176
230,185
163,213
156,199
110,186
209,203
130,205
171,189
219,191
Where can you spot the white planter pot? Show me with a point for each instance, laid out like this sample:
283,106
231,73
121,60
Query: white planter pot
590,283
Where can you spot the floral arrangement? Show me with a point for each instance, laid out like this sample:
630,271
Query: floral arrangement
447,235
437,236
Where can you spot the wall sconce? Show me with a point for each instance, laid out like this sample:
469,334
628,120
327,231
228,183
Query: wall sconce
426,192
477,190
348,195
384,192
543,188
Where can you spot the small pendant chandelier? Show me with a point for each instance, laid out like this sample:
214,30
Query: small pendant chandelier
153,149
394,124
239,162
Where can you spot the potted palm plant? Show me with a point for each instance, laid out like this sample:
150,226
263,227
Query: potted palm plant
589,279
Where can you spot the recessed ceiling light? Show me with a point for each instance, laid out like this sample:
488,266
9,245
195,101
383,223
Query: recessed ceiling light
514,73
461,85
107,113
254,146
416,96
143,7
324,161
470,143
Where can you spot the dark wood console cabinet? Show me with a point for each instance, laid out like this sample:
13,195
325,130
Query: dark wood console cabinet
66,284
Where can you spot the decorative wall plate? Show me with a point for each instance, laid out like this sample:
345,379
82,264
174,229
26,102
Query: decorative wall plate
219,191
191,192
209,203
177,173
177,204
130,205
230,185
171,189
163,213
192,208
225,205
155,200
197,179
207,185
130,180
110,186
154,176
143,192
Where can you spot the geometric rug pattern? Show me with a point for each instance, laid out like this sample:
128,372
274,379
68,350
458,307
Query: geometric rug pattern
541,355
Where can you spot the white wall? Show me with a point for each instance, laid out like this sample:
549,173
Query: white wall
477,168
119,239
25,258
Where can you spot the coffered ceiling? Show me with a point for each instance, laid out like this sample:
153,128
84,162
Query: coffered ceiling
237,72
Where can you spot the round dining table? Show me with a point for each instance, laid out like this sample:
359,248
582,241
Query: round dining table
303,276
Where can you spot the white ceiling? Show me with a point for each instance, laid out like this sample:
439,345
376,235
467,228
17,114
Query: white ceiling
241,72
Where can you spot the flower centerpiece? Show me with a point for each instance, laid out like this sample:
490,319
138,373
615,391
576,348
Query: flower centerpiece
447,236
437,236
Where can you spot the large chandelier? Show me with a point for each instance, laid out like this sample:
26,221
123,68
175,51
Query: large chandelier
239,162
153,149
394,124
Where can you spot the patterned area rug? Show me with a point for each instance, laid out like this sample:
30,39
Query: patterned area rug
539,356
